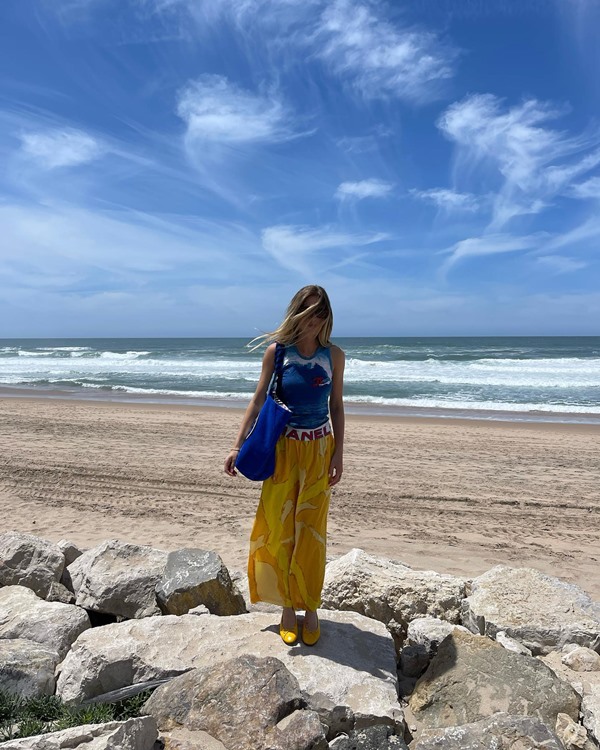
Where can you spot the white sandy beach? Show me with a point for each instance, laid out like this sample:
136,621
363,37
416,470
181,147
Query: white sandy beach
455,496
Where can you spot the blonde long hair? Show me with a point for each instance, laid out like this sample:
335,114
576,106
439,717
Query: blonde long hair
288,331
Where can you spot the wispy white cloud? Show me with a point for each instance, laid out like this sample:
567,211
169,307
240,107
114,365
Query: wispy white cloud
380,58
299,248
361,144
283,12
588,189
216,110
227,129
80,245
492,244
372,188
61,147
583,233
448,200
534,161
560,263
357,39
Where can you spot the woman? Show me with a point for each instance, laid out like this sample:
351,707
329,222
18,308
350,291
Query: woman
287,545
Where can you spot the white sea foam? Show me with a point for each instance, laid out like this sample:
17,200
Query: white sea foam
122,355
467,405
65,349
568,373
25,353
538,373
553,385
431,404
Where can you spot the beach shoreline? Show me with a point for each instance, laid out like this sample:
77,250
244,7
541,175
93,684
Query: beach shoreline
456,496
352,408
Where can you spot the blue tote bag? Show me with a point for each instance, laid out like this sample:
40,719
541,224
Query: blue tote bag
256,459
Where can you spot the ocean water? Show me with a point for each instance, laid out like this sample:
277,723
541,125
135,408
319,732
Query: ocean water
533,377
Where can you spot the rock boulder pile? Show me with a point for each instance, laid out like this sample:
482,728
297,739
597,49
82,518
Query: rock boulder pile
407,658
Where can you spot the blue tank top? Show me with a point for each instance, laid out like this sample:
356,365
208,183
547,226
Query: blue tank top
306,385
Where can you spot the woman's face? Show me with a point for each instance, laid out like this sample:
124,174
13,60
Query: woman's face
311,325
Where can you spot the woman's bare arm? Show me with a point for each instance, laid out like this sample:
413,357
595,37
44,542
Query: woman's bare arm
336,410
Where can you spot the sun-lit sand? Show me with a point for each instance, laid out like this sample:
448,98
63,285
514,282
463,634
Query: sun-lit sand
450,495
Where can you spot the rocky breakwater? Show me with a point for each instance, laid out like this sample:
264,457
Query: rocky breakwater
407,658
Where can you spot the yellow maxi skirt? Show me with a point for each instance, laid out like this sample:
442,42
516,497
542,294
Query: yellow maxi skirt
287,545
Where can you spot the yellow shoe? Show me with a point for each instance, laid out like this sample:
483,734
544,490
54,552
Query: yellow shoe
310,637
289,636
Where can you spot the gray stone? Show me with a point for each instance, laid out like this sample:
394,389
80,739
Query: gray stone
25,615
26,560
414,660
70,550
60,593
511,644
335,719
185,739
423,637
240,702
134,734
568,647
27,668
582,659
371,738
118,579
352,666
472,677
301,730
541,612
390,592
499,732
193,577
199,610
590,712
429,632
572,735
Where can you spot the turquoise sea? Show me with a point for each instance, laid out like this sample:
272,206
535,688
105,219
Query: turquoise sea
555,378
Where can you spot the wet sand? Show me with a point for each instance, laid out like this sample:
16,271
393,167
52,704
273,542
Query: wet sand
455,496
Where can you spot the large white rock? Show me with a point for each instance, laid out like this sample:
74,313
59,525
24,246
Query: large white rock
139,733
27,668
541,612
423,637
69,549
27,560
118,578
352,666
429,632
389,591
25,615
582,659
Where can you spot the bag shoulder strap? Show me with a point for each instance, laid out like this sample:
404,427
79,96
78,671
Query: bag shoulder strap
278,369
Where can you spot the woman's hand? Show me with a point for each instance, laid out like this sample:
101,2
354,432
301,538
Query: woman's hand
336,468
230,464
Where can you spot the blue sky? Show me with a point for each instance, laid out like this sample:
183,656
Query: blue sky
181,167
